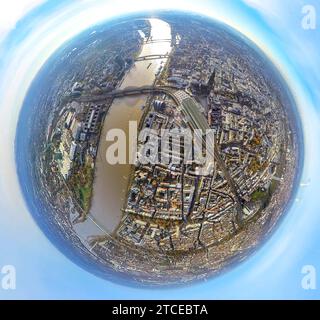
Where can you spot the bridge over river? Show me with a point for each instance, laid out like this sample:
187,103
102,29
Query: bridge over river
130,91
152,57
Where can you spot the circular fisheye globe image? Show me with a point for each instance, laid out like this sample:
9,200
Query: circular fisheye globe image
158,149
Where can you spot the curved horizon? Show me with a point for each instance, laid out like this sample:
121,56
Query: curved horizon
305,100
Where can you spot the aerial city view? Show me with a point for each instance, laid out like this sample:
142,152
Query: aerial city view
171,219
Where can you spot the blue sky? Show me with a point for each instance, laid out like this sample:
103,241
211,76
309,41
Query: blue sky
31,30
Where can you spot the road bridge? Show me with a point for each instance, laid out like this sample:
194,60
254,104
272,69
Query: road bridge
151,57
157,40
129,91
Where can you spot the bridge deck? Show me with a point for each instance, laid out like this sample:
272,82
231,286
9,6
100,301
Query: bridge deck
129,92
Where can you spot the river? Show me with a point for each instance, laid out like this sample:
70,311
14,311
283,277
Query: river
111,181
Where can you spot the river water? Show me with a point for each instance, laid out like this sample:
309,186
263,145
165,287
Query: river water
111,181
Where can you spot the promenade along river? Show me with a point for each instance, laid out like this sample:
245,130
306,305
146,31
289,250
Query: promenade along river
111,181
